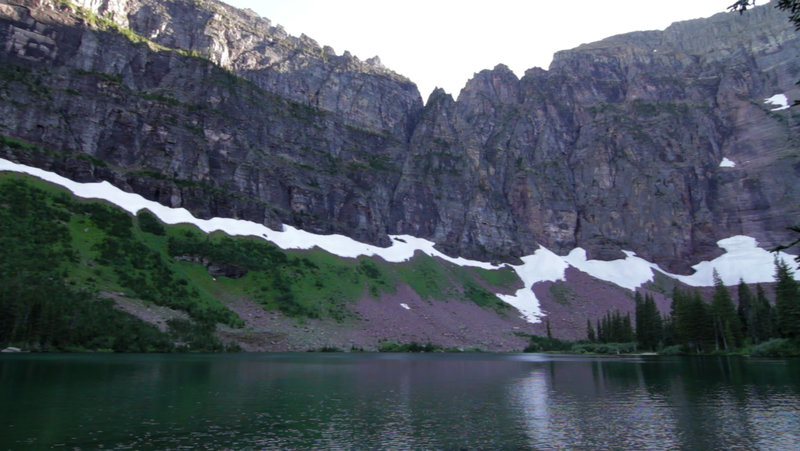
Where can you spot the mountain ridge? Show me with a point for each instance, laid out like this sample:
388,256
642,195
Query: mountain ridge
608,150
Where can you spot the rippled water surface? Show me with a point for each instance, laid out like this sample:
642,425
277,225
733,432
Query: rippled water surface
397,401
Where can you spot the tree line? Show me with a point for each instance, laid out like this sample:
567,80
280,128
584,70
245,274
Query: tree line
696,325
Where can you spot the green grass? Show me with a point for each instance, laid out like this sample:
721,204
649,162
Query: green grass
562,293
502,277
432,279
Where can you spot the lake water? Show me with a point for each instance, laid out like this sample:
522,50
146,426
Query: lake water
397,401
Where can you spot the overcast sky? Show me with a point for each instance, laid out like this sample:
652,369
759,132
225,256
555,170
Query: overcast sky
444,42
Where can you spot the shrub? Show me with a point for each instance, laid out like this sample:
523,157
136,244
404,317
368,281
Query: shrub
777,347
545,344
605,348
149,223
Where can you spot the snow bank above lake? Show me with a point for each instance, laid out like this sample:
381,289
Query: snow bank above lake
743,259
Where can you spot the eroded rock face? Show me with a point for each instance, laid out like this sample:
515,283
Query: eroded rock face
363,93
616,146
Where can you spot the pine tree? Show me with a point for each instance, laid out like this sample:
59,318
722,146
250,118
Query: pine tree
626,329
640,318
696,323
727,328
679,311
590,332
787,301
746,310
763,317
648,324
601,336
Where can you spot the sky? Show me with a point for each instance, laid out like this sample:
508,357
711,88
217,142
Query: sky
442,43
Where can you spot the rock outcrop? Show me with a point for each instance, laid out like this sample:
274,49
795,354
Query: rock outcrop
617,146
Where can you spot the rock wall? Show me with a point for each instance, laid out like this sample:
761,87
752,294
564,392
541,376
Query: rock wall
617,146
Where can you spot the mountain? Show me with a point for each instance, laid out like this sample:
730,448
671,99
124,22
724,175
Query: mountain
617,146
660,143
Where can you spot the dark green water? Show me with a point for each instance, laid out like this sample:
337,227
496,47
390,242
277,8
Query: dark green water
396,401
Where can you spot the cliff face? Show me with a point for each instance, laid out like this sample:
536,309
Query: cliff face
617,146
363,93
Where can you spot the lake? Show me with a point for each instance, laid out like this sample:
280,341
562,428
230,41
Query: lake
397,401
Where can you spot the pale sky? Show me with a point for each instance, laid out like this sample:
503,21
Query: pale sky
442,43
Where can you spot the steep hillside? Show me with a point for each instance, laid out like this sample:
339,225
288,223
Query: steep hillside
66,262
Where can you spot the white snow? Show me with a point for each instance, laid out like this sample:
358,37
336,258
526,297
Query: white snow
727,163
629,273
542,266
743,259
780,101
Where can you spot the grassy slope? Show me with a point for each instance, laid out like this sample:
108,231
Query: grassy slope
108,250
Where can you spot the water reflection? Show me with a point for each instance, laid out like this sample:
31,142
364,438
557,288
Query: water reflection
591,404
713,403
397,402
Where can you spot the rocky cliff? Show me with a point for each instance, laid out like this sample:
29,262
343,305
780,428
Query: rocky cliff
617,146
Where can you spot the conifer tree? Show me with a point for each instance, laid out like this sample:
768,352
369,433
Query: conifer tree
679,311
746,310
626,329
787,301
640,319
763,317
649,324
692,321
590,331
727,328
601,336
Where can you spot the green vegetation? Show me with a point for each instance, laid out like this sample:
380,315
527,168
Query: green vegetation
63,260
433,280
648,322
695,326
390,346
505,276
38,309
387,346
548,344
13,74
562,294
538,343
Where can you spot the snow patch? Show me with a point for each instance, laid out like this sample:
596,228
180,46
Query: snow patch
405,306
726,163
630,272
780,101
742,260
542,266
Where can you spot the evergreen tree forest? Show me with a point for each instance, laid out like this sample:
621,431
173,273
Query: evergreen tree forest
700,326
